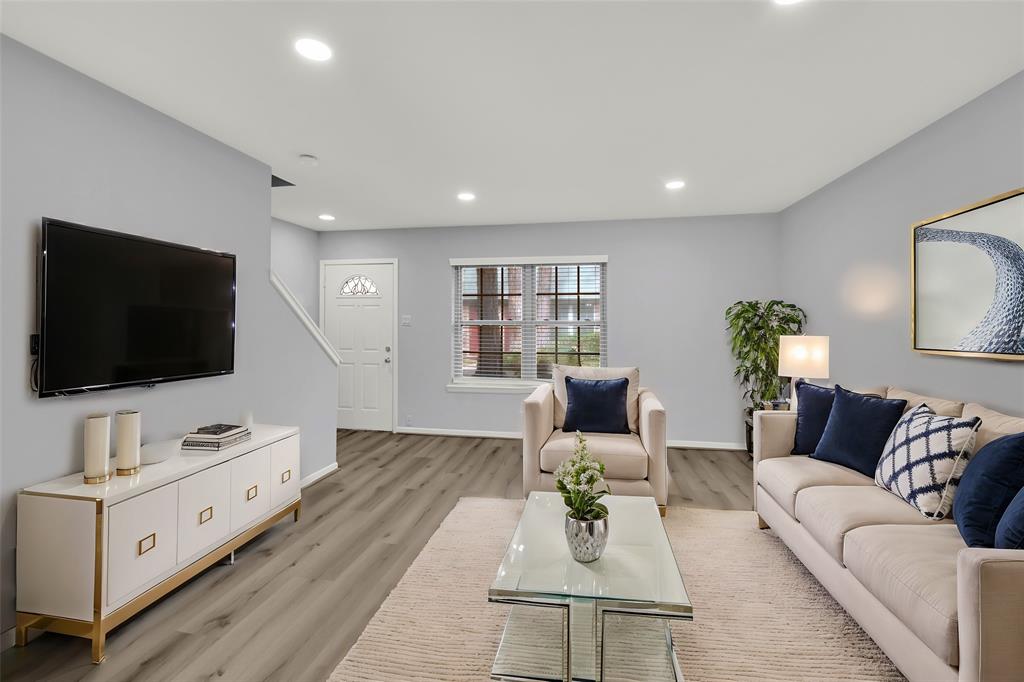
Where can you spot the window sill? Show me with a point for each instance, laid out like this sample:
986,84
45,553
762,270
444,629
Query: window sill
521,387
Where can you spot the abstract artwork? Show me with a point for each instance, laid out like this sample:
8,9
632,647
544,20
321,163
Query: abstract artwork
967,275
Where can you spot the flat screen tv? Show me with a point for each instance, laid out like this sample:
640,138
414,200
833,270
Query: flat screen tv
120,310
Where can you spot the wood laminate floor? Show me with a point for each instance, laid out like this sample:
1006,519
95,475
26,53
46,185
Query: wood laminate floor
298,596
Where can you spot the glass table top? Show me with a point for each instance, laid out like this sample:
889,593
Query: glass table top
637,566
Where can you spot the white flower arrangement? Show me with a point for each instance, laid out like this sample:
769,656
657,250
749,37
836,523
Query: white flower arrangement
578,479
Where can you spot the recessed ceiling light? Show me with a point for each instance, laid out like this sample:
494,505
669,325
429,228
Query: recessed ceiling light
675,184
326,217
308,160
466,196
787,2
313,49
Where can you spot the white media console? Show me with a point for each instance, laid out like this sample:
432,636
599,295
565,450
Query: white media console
89,557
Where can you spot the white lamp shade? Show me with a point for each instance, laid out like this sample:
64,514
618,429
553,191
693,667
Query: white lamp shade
805,357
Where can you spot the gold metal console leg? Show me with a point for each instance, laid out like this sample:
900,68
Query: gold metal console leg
663,510
98,641
22,623
761,524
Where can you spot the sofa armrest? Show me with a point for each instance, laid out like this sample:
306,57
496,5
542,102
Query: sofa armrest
653,436
538,423
990,611
774,433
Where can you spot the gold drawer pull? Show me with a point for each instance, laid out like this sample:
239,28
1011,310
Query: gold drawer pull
147,543
205,515
252,492
286,476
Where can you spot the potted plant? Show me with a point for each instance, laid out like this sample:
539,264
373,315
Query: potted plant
580,480
754,329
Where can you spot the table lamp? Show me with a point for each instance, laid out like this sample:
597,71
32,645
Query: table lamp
802,357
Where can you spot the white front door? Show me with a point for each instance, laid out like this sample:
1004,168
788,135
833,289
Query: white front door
357,316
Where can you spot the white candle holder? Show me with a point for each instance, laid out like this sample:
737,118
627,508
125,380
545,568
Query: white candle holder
129,441
97,448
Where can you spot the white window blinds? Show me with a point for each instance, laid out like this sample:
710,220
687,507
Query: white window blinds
515,319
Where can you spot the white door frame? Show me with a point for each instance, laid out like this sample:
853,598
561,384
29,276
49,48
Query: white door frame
394,323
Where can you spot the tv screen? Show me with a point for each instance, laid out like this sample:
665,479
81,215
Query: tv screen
120,310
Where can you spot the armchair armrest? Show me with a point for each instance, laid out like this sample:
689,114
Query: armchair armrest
538,423
990,611
652,435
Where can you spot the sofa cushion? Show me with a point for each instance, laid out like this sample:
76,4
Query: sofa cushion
596,405
941,406
1010,531
875,391
559,372
622,453
857,429
784,477
814,403
829,512
912,571
993,424
992,478
924,458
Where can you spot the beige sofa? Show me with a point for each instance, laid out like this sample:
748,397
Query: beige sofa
938,609
635,463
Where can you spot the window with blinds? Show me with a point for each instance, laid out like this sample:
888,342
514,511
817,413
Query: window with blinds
514,321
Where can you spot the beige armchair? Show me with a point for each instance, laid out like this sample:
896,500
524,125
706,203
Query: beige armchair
635,463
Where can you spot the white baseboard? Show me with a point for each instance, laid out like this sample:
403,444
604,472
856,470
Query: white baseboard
706,445
317,475
469,433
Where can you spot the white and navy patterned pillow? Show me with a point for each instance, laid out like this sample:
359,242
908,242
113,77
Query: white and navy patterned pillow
924,458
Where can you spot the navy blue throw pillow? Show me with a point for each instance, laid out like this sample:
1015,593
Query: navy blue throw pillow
994,475
857,429
813,405
596,405
1010,531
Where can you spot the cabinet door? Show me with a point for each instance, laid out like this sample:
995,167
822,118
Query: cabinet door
204,510
250,488
142,540
284,471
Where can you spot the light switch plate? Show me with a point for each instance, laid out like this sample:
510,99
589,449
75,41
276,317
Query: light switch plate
406,320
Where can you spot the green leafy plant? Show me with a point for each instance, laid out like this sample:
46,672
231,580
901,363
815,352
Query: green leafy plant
578,478
755,328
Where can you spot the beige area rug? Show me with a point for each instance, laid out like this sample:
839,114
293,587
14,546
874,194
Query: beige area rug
759,615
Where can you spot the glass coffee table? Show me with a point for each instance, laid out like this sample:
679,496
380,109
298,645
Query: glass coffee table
606,620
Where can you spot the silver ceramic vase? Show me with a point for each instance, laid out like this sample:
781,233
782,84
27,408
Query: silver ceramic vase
587,539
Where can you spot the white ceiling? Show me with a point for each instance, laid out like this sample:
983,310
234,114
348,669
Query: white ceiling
548,111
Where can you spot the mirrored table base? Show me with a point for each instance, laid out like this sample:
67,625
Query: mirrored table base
544,640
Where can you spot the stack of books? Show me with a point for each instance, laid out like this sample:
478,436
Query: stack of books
216,437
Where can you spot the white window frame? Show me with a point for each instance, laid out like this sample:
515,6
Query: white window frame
460,384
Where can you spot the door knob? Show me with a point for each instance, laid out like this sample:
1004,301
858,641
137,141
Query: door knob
387,349
387,361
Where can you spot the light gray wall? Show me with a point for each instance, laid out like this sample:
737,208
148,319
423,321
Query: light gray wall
75,149
846,249
294,254
669,282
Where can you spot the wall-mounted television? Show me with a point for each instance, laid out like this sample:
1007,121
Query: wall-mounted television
119,310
